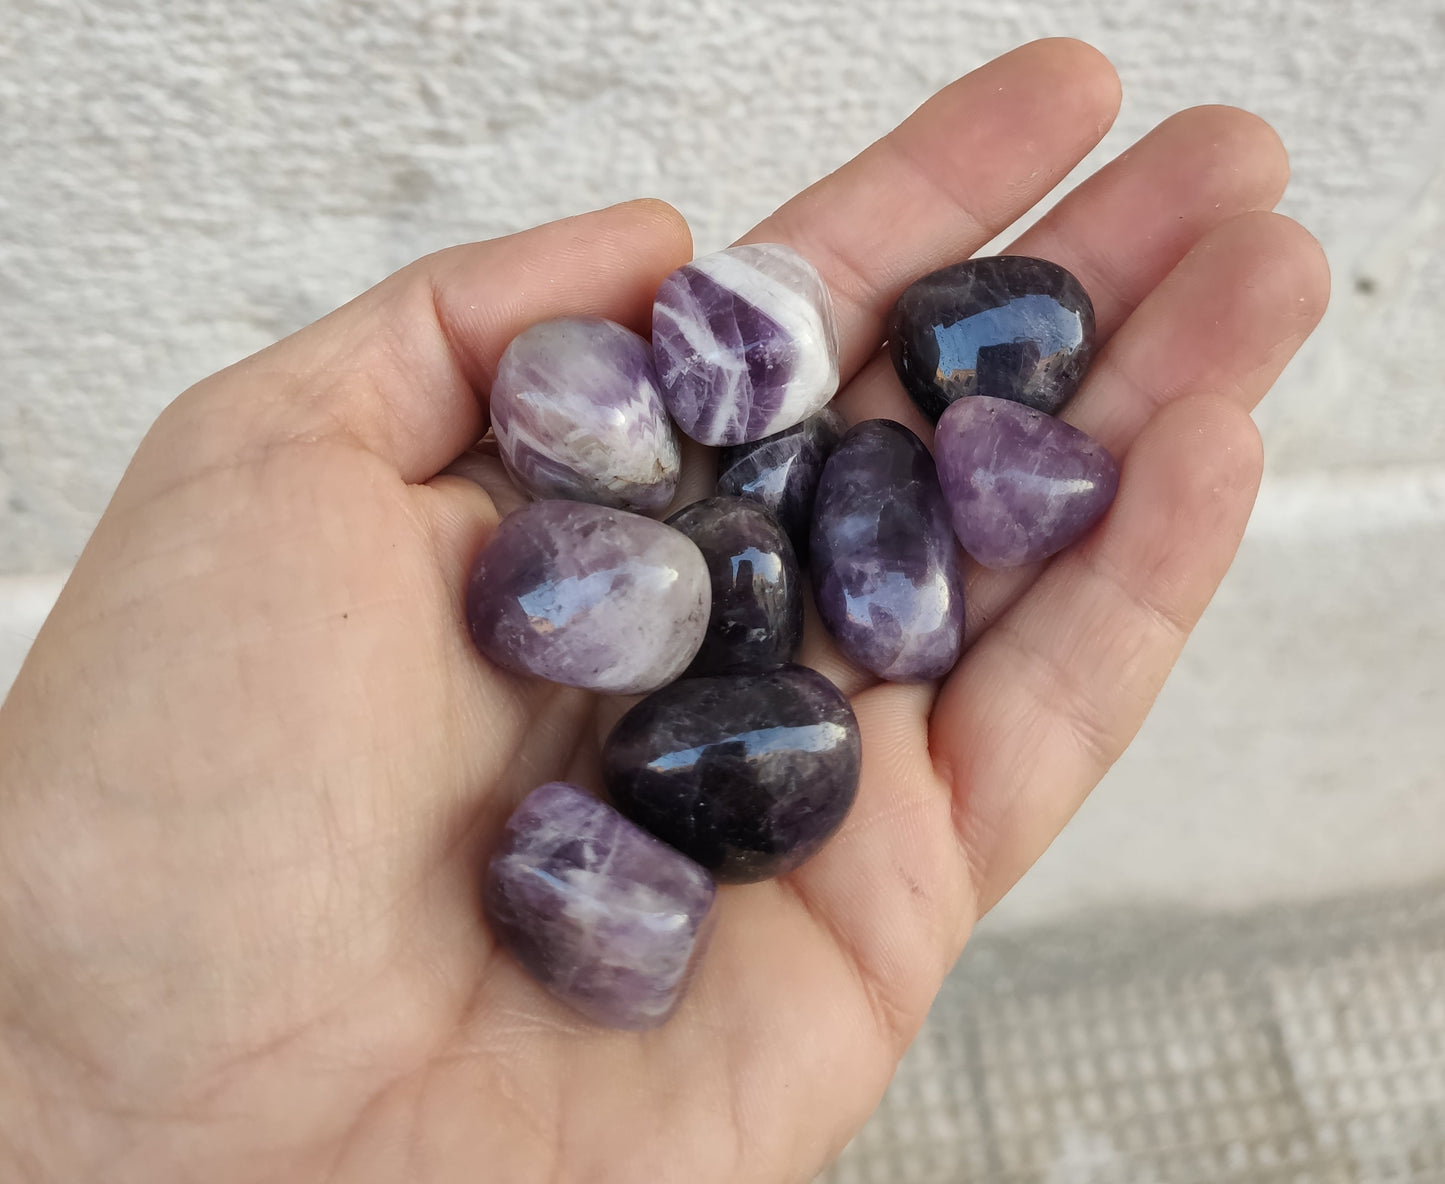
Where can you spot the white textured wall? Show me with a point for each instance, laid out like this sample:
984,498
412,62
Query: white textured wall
184,181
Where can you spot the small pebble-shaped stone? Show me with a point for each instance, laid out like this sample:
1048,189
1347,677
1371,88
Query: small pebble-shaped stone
781,472
887,574
1003,326
1020,484
748,774
590,597
578,414
745,343
599,912
757,591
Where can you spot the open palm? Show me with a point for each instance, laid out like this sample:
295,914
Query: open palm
250,772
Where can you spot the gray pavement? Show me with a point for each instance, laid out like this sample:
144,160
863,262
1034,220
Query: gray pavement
1301,1044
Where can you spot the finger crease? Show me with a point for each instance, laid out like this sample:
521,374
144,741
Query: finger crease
1060,692
890,1021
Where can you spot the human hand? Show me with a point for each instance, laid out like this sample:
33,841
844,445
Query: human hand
251,769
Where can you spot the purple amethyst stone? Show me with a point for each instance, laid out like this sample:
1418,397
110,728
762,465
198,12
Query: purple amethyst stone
595,909
590,597
578,414
887,575
780,472
757,590
745,343
747,774
1004,326
1020,484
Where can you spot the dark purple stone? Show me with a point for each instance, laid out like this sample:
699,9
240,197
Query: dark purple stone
590,597
1004,326
757,590
598,911
1020,484
781,472
748,774
887,574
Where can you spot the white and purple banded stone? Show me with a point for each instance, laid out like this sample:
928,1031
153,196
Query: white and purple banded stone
607,918
887,572
578,414
589,596
745,343
1021,485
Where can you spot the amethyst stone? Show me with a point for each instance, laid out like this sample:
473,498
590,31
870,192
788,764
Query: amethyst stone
747,774
590,597
578,414
757,591
595,909
887,574
745,343
1020,484
1005,326
781,471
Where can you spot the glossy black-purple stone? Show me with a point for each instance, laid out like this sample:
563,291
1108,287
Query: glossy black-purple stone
746,774
756,621
781,472
887,575
1005,326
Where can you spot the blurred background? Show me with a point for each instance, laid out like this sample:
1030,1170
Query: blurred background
1232,966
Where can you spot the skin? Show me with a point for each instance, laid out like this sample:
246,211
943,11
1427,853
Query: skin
253,764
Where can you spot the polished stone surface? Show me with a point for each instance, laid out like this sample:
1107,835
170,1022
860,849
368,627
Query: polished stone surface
1003,326
1020,484
745,343
747,774
578,414
590,597
757,591
887,574
595,909
781,471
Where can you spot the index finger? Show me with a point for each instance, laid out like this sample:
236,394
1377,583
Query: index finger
934,190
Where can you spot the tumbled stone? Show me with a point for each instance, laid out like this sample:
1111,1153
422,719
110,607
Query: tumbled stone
748,774
756,621
1021,485
887,574
745,343
589,596
1004,326
578,414
781,471
595,909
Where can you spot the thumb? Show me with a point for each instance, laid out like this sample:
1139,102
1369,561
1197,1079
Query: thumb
403,370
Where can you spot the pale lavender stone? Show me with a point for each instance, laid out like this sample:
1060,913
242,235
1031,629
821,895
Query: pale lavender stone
1021,485
589,596
887,572
781,472
578,414
607,918
745,343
